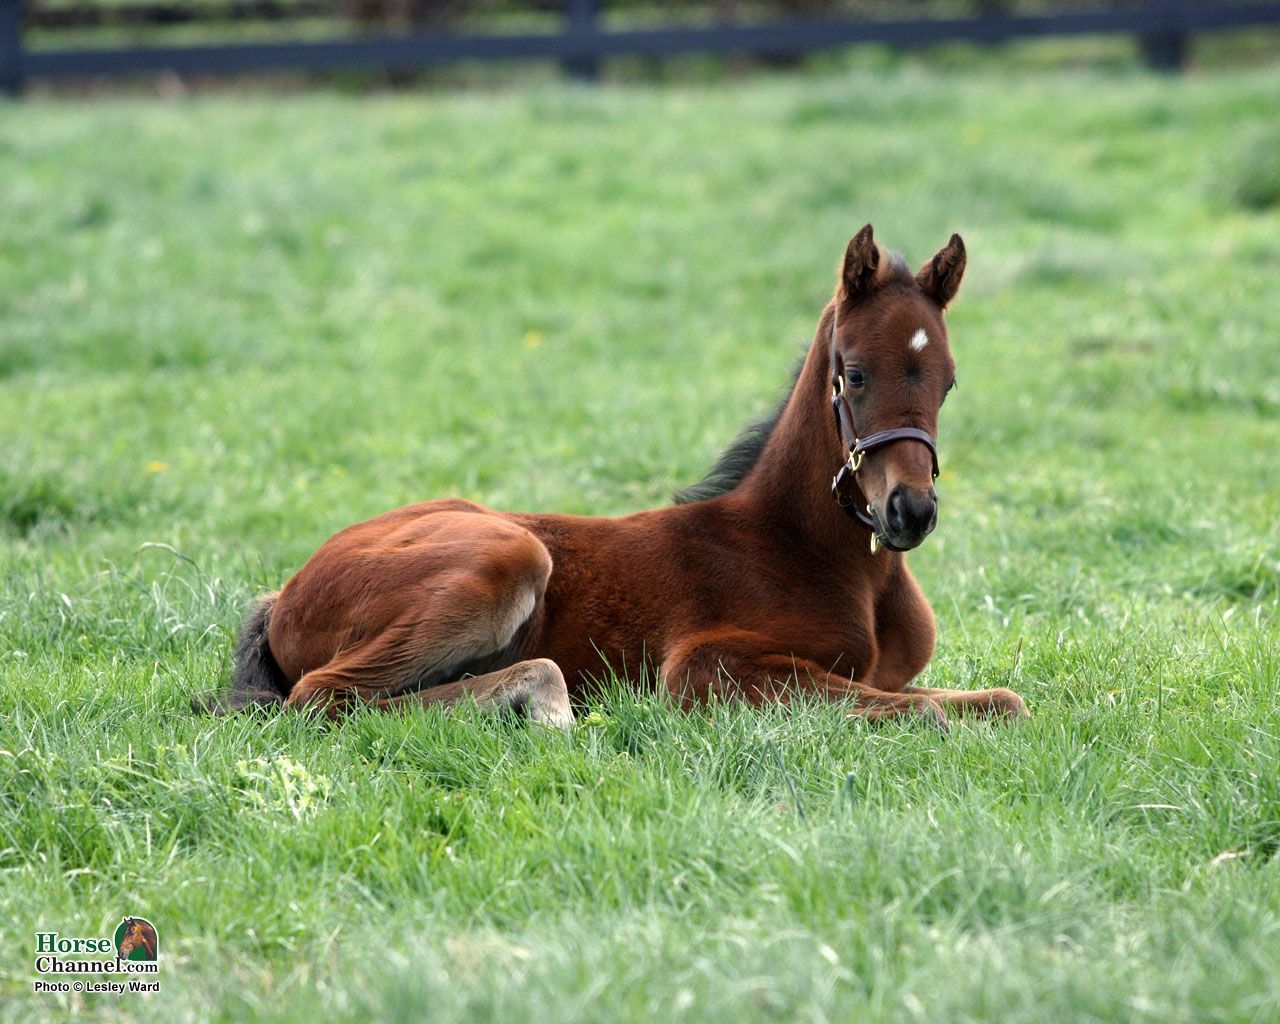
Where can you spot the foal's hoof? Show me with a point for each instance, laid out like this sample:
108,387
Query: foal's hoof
316,702
1007,706
546,702
931,712
556,719
551,714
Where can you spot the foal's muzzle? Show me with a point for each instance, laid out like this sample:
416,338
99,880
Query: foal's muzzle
909,516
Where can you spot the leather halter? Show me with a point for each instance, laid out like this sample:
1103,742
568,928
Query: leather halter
844,483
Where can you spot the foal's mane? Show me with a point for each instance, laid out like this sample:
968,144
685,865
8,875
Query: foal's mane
735,462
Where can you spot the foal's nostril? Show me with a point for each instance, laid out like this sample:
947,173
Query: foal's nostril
894,518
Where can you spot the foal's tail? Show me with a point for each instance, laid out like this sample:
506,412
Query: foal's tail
258,681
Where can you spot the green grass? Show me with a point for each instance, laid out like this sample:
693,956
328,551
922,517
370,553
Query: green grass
232,325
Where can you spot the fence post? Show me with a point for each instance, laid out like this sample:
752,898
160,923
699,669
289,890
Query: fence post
580,19
11,47
1165,45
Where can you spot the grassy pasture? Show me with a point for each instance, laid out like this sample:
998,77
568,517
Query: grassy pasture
232,325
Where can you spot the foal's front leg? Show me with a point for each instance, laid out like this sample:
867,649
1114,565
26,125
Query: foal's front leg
733,663
997,703
905,638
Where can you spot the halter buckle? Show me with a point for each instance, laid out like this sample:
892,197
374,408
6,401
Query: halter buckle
855,459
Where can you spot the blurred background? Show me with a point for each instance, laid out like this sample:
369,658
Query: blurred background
399,41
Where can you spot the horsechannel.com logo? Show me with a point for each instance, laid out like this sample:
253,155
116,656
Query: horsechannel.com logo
129,956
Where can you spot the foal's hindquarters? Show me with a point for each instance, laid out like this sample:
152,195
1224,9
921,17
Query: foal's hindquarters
428,604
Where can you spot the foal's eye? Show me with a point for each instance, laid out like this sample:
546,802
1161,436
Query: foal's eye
950,388
854,377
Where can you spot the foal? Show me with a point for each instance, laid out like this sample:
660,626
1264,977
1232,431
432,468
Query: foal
756,584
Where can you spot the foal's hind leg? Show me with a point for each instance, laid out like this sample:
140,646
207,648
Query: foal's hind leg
423,603
535,688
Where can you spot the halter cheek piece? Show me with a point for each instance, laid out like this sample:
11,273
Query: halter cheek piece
844,483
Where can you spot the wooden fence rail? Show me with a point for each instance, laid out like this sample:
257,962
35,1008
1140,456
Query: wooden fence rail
1163,26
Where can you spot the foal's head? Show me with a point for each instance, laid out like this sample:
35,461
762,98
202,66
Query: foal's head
889,346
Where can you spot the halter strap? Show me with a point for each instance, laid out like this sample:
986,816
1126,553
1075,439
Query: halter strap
844,484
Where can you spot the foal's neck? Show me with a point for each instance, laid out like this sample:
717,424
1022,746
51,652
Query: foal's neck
788,490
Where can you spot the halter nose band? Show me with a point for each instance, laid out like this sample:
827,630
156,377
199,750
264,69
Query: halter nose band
898,434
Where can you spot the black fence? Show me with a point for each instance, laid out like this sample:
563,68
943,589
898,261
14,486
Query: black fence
580,37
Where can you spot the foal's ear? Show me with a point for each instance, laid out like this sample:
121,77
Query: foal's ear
940,277
861,261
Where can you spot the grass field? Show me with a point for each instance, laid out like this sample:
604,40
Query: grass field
234,324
